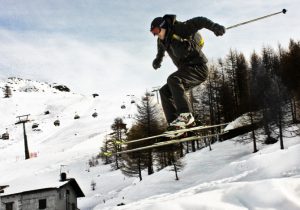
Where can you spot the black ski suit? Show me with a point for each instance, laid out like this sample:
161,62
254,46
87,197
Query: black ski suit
189,59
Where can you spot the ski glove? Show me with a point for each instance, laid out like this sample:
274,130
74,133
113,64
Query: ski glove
218,29
156,63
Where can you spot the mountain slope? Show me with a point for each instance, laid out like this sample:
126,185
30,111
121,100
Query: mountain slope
228,177
71,144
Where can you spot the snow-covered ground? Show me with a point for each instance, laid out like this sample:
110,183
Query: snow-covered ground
228,177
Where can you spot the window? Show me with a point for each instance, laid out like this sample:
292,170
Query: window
9,206
42,204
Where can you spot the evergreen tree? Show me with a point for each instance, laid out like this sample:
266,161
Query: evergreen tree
290,74
114,142
275,95
237,77
230,68
242,79
7,91
106,151
148,123
132,164
256,67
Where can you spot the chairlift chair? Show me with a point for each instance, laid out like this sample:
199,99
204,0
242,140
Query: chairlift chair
35,125
57,123
95,95
76,116
95,114
5,136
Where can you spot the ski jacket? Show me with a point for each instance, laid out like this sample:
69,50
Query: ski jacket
185,51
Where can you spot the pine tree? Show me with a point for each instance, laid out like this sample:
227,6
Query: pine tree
242,79
7,91
290,74
275,95
148,123
256,65
237,77
106,151
230,68
132,164
114,143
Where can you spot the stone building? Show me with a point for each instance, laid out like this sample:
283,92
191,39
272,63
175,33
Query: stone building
56,196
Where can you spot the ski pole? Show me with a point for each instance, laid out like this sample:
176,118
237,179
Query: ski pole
256,19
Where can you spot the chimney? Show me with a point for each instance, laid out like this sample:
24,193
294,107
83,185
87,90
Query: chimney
2,188
63,177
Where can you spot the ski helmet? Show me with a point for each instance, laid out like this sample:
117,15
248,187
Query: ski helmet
158,22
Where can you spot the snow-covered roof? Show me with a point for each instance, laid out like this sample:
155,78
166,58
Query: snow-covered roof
40,184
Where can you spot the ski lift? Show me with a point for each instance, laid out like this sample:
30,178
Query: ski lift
57,123
5,136
76,116
95,114
95,95
35,125
132,100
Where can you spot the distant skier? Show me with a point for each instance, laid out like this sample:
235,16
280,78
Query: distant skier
183,43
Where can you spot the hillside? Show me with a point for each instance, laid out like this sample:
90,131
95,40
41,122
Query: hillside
228,177
72,143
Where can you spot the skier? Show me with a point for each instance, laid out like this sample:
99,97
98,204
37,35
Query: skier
183,43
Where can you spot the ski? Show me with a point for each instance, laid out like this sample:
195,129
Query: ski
165,143
195,128
170,133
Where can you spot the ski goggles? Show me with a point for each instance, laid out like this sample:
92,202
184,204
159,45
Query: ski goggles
155,31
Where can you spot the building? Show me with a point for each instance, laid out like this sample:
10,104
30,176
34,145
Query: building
2,191
59,195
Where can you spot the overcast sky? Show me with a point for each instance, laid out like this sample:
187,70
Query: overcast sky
105,45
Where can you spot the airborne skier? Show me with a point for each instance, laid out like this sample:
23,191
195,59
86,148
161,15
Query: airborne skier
183,43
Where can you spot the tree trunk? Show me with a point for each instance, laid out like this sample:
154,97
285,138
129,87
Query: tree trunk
139,165
280,128
150,163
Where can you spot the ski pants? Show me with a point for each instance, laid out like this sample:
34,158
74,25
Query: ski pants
173,95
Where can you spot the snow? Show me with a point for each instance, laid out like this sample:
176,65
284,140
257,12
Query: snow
230,176
241,121
40,182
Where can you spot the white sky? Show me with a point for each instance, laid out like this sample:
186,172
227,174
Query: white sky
106,47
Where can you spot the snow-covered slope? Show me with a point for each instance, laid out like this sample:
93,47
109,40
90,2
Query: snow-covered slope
72,143
228,177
